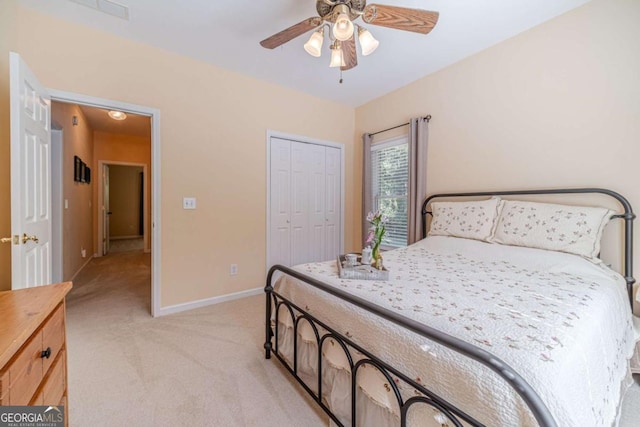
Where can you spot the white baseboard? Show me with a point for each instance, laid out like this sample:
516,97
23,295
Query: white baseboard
80,269
208,301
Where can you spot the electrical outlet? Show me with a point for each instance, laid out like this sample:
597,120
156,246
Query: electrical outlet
83,252
188,203
233,270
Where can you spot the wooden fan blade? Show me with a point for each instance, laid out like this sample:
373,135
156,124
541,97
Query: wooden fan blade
291,33
349,53
401,18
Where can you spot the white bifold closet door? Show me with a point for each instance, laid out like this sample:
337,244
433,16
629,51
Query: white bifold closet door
305,202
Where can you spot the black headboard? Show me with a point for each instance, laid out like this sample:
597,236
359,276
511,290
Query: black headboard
628,216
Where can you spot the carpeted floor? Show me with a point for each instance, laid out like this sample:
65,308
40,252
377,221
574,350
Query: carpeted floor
204,367
199,368
126,245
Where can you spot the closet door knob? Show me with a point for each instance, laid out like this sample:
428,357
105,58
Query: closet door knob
46,353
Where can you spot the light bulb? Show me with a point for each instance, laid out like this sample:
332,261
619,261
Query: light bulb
367,42
117,115
314,45
343,28
337,59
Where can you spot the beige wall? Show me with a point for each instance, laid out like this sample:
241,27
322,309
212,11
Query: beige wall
124,201
110,147
213,131
77,219
6,37
557,106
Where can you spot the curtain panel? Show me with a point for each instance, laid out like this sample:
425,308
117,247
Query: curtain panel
418,144
367,202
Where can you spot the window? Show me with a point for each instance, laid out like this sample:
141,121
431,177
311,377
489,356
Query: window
389,185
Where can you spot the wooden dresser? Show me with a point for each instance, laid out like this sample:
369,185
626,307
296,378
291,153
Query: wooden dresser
33,355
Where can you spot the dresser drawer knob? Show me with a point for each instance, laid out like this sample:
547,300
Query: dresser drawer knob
46,353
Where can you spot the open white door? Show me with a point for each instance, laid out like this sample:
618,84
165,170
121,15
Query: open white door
30,178
106,213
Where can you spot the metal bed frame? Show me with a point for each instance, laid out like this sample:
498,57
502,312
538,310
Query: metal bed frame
455,415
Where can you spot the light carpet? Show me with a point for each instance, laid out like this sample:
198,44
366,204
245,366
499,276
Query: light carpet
204,367
126,245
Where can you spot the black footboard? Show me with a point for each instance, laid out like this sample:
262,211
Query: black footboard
452,413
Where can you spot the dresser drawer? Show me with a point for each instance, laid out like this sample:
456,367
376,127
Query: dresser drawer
22,376
53,336
4,388
32,346
52,391
25,373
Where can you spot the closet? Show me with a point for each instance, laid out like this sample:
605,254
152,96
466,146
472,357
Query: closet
304,202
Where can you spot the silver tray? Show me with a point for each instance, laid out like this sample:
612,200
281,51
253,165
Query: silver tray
360,271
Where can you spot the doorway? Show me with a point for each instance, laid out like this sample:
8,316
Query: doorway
146,225
123,214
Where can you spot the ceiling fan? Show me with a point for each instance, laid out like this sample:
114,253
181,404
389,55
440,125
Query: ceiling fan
339,17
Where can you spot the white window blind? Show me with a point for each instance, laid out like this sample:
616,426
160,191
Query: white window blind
389,184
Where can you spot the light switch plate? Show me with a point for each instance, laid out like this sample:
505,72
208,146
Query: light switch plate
188,203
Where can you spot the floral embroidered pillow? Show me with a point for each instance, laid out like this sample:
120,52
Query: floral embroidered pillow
470,220
572,229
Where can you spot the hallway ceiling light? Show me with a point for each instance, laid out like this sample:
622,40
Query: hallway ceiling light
117,115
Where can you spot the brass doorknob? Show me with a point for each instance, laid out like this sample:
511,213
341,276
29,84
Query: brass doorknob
26,238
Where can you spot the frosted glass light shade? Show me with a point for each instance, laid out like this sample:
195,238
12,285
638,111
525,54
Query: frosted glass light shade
314,45
117,115
337,60
343,28
367,42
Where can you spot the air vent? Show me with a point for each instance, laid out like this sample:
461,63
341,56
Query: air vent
106,6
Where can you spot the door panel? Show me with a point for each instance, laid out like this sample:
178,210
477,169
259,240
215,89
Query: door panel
30,177
300,159
280,170
317,200
332,203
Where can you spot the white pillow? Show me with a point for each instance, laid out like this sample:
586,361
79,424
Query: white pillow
572,229
470,220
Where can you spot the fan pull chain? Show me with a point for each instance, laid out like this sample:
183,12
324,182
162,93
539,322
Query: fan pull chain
340,77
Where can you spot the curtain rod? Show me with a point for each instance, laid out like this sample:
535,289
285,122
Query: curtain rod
427,117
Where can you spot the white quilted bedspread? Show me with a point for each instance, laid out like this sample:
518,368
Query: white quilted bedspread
561,322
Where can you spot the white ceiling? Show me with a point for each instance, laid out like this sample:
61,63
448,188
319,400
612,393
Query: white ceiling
227,33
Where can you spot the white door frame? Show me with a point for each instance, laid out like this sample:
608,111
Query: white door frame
154,113
306,140
145,211
57,203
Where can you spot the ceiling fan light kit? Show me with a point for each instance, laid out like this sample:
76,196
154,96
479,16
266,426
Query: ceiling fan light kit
368,43
343,27
314,45
337,57
339,16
